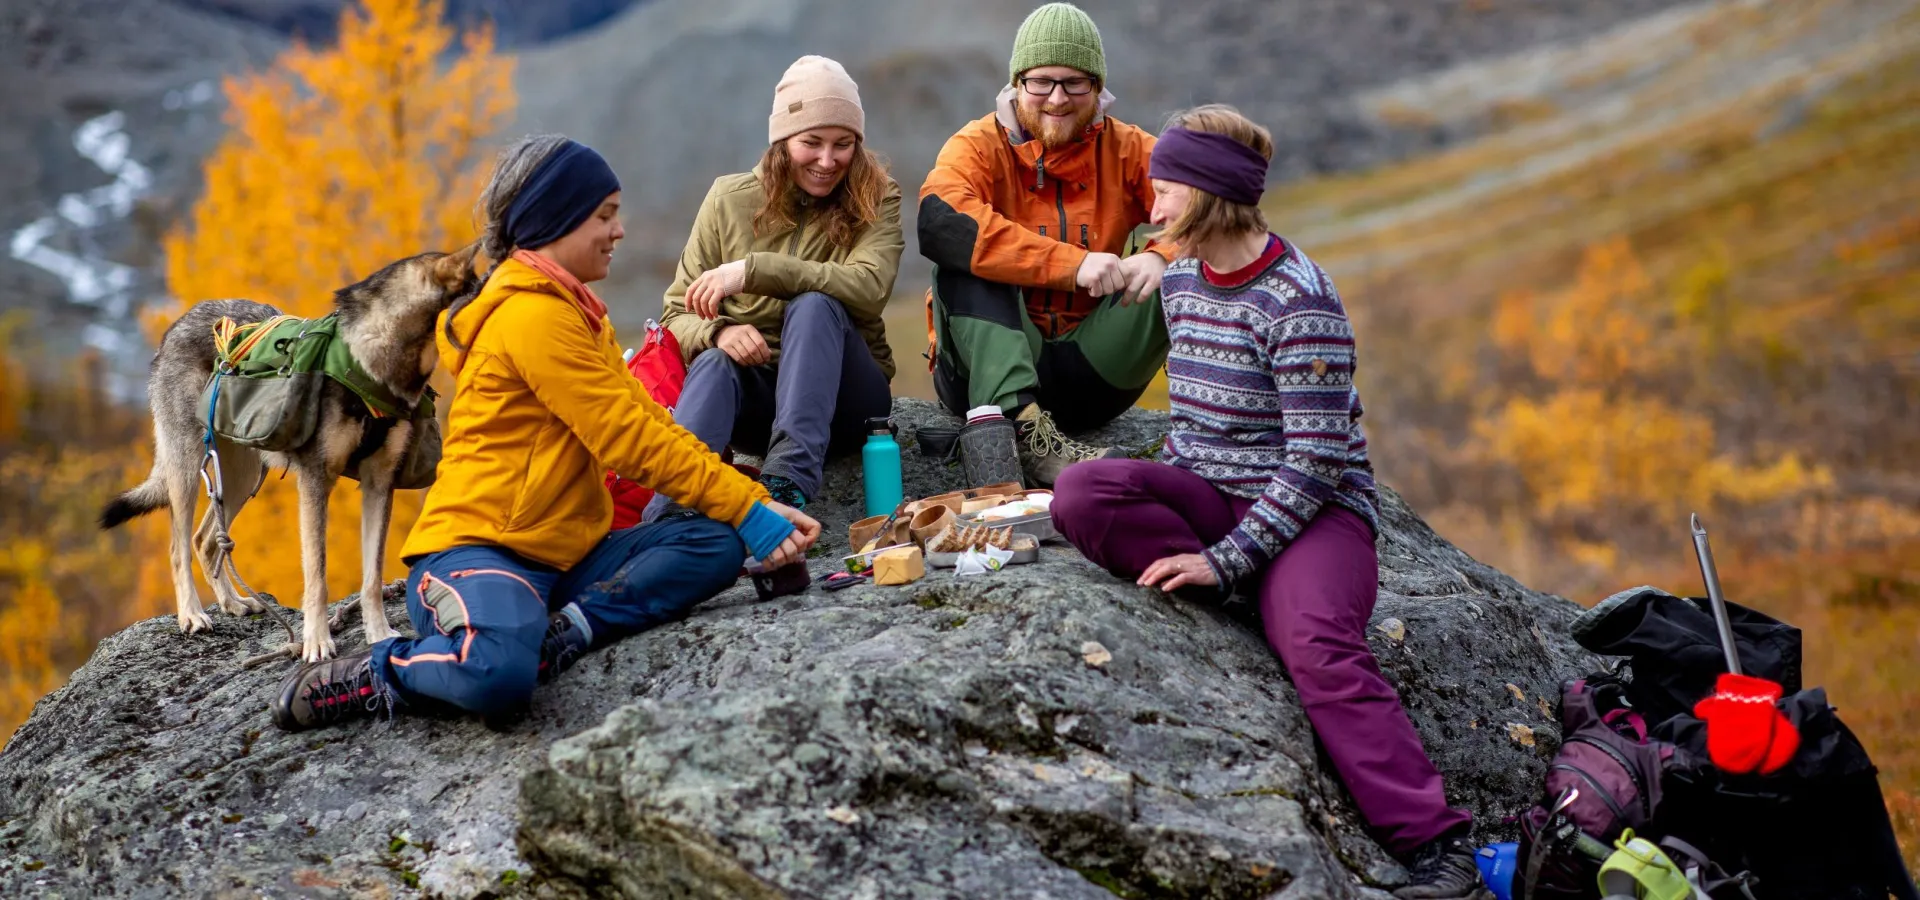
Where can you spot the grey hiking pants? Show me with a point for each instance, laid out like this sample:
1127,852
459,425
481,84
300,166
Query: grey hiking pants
813,401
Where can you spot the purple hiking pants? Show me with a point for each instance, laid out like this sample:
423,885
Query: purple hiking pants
1315,600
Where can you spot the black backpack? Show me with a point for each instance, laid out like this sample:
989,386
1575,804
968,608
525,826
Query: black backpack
1818,829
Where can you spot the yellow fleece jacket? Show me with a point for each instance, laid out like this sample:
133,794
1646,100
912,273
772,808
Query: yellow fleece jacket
541,406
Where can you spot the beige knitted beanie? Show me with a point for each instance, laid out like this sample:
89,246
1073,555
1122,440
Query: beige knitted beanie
816,92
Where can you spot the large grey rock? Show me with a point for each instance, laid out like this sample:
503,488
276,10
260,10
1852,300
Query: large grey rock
953,738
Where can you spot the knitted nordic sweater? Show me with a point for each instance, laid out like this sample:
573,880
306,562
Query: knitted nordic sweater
1260,381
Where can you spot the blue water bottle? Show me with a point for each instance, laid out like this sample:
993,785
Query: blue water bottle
880,468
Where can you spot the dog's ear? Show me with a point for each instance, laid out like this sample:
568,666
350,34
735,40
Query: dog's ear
454,272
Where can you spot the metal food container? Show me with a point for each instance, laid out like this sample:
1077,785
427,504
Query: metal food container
1038,525
1024,553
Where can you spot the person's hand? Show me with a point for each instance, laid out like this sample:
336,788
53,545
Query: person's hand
1171,572
1142,272
714,285
794,549
744,345
1100,274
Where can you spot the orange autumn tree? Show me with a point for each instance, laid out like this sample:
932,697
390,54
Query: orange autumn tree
337,162
62,452
1591,433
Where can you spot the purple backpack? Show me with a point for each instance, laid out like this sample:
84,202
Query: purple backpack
1606,756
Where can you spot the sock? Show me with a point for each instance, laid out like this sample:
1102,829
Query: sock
1746,732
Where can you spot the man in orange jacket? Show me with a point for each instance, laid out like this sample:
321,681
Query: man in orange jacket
1025,215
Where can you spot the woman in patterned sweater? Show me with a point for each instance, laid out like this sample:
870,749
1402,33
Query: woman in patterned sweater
1265,480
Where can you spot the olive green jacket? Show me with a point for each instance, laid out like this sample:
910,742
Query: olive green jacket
783,266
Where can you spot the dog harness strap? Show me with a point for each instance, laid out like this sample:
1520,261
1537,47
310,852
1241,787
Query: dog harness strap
340,366
213,407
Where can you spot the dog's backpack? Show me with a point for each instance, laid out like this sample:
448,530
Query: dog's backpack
1616,775
265,390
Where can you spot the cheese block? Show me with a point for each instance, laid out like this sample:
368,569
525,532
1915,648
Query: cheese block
903,566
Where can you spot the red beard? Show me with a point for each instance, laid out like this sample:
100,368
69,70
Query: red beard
1051,132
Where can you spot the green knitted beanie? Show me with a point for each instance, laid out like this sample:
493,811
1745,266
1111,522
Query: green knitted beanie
1058,34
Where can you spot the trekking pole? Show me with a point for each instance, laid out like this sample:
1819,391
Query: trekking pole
1714,597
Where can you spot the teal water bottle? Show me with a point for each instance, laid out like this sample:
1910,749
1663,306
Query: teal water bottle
880,468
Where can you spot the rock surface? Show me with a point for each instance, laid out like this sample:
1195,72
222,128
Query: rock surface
1047,731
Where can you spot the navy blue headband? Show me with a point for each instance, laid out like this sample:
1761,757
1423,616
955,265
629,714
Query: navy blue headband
1214,163
561,193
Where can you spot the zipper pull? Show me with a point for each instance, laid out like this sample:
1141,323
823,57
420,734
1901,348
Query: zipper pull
1040,173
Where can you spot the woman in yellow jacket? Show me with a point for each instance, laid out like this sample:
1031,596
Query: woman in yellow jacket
512,571
778,297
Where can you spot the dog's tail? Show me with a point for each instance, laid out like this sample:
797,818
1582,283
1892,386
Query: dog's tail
149,496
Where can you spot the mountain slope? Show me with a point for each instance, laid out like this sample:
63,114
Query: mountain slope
676,92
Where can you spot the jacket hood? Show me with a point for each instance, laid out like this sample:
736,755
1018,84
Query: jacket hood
508,278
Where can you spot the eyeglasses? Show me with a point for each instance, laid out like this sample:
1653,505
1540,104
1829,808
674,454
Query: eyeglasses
1041,87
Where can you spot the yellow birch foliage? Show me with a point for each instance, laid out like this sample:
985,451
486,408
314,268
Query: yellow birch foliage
29,625
61,443
1597,441
1593,333
337,162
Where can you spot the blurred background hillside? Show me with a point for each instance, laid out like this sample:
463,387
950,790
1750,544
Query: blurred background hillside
1611,261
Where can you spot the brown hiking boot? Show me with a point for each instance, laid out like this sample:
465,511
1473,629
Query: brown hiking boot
1443,869
1045,452
326,692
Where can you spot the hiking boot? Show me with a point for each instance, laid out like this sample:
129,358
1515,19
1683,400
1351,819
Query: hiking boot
562,646
989,452
783,490
1443,869
323,693
1045,452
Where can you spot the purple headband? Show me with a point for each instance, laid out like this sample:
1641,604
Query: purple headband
1214,163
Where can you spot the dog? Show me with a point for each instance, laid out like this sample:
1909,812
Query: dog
387,321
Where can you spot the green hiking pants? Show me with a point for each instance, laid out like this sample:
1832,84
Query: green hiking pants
990,353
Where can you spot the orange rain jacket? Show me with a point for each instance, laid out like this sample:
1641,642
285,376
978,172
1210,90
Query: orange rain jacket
1008,210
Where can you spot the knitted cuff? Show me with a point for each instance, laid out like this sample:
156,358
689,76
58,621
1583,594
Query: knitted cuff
763,530
733,277
1229,564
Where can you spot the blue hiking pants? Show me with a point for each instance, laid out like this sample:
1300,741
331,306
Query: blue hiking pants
481,611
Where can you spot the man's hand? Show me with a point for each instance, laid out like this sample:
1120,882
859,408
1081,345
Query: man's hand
1100,274
1176,571
714,285
1142,272
744,345
794,549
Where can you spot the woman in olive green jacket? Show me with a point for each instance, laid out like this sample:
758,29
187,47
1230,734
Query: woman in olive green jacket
778,297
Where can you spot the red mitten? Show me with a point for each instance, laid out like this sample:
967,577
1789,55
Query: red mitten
1786,742
1746,731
